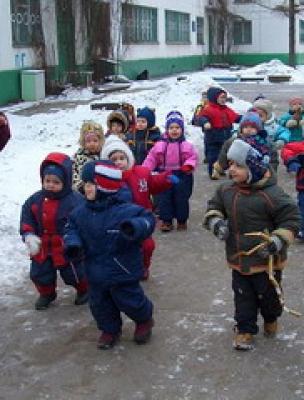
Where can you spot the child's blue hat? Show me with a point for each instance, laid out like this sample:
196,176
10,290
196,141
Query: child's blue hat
148,114
175,117
252,119
53,169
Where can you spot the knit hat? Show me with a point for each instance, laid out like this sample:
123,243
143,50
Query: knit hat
175,117
120,116
53,169
148,114
107,177
114,143
90,128
250,156
213,93
295,100
265,105
251,119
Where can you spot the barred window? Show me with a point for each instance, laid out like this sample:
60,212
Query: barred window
177,27
200,30
242,32
139,24
26,22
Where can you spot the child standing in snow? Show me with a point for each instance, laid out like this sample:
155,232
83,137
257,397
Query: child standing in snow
110,230
252,202
145,136
118,124
91,141
174,153
293,157
294,119
5,133
141,183
43,217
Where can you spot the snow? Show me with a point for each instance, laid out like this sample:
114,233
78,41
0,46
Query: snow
34,136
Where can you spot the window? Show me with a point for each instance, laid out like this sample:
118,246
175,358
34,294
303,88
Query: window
301,31
243,1
26,22
200,30
177,27
242,32
139,24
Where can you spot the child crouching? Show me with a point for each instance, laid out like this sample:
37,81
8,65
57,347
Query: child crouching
110,230
252,202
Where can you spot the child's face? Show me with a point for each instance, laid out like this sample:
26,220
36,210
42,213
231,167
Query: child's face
120,159
90,190
92,143
116,128
296,107
222,99
52,183
141,124
248,130
174,131
263,114
239,174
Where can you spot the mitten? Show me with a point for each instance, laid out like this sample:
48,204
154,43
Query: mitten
292,123
219,227
173,179
207,126
187,169
293,166
301,122
215,174
279,144
271,248
33,243
73,253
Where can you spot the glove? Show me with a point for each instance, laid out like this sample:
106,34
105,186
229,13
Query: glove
293,166
207,126
187,169
73,253
292,123
127,228
219,227
33,243
215,174
173,179
279,144
273,247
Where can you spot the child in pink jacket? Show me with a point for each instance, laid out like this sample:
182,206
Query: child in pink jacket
173,153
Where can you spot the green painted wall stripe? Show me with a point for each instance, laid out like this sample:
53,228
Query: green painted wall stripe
254,58
10,84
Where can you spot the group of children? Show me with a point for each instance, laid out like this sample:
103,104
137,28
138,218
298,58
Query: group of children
99,235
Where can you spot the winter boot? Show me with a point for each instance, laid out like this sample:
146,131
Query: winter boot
81,298
243,341
270,329
108,340
143,331
43,302
166,226
181,226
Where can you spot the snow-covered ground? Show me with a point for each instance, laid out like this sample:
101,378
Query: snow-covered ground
37,135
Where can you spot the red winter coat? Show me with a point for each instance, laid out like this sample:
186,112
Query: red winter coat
291,150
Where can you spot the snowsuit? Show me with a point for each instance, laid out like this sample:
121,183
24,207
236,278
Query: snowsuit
250,208
113,260
171,155
141,142
45,215
296,133
81,157
5,133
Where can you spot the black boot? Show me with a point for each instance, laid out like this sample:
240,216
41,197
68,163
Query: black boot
81,298
43,302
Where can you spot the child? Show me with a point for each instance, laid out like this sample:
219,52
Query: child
216,120
118,124
43,217
130,113
294,119
174,153
5,133
145,136
110,231
141,183
252,202
293,157
91,141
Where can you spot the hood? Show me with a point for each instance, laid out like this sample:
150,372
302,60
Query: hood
120,116
65,163
213,93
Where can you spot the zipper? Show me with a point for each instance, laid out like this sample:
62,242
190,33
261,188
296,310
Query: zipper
121,266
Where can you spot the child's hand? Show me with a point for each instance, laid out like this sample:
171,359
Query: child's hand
173,179
271,248
292,123
207,126
279,144
302,122
33,244
219,227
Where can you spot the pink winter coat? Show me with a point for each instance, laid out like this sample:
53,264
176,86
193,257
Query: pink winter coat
168,155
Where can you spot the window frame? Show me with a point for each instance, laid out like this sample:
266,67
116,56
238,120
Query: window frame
243,40
200,26
25,33
301,31
132,24
178,31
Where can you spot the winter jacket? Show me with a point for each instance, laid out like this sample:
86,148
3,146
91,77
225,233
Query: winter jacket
141,142
81,157
275,131
45,214
294,153
296,133
168,155
143,184
251,208
5,133
110,254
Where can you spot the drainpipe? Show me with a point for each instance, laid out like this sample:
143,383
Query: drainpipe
291,59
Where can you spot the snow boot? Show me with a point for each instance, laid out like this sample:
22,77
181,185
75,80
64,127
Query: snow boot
270,329
243,341
166,226
108,340
81,298
181,226
43,302
143,331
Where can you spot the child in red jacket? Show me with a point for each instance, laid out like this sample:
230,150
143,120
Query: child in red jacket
141,182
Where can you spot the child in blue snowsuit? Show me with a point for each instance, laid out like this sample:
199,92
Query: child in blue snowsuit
110,230
43,217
